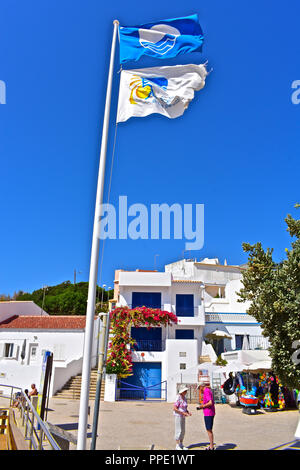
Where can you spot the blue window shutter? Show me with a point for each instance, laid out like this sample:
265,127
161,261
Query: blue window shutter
184,305
146,299
184,334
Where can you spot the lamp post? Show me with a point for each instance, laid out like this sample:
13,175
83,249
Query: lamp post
103,286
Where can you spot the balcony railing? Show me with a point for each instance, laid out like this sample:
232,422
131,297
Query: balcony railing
149,345
256,342
186,311
211,317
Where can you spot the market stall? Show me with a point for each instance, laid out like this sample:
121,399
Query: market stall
255,387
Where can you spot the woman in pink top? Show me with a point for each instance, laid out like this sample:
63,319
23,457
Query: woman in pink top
208,407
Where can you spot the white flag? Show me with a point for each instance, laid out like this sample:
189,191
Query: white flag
162,90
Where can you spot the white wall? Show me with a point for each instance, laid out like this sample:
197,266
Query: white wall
67,348
136,278
207,272
173,360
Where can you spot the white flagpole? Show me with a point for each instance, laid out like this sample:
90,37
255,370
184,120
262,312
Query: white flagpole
90,311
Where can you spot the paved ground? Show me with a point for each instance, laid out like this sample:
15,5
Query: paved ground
134,425
137,425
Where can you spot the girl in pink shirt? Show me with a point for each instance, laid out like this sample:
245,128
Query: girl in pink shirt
208,407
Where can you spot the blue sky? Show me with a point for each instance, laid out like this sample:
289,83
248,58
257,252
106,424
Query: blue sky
235,150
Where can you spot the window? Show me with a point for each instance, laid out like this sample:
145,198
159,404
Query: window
184,334
8,349
59,352
239,340
146,299
147,340
185,305
182,366
33,351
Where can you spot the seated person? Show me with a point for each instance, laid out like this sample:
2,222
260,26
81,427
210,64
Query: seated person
33,391
20,399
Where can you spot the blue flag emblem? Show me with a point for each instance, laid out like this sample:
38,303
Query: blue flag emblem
164,39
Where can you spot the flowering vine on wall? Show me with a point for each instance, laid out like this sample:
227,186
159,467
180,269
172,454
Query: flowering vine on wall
119,359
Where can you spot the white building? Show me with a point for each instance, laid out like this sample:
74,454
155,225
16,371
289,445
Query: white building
203,295
25,338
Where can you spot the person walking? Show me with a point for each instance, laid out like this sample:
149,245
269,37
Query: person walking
208,407
180,411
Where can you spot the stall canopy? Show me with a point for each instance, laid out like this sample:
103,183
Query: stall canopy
233,366
258,366
218,334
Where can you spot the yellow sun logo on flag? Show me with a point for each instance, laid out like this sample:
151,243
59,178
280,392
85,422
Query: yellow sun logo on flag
142,88
139,89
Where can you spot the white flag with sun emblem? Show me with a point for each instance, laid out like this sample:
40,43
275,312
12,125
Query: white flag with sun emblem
162,90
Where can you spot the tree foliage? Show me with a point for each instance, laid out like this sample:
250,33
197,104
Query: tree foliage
274,292
65,298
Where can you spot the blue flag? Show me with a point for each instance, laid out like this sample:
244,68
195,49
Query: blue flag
162,40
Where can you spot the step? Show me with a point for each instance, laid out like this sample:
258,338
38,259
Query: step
72,388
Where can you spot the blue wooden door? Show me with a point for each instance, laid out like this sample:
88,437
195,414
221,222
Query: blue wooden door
146,375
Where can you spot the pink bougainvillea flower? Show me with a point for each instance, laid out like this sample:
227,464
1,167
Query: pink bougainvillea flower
122,318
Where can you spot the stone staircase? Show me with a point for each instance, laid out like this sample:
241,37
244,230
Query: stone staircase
71,389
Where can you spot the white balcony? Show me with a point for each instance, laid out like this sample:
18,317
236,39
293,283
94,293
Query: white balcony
243,318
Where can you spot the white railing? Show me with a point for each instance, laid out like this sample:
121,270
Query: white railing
35,430
196,315
258,342
211,317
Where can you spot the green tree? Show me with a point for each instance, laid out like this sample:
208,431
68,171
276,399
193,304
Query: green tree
65,298
274,292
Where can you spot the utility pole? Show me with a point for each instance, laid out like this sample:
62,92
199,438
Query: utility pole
44,293
76,272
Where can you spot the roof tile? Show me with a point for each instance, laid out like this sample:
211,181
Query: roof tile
51,322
